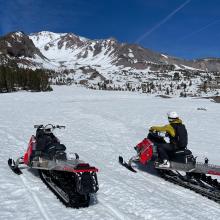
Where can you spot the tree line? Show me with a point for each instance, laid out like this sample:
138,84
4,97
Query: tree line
14,78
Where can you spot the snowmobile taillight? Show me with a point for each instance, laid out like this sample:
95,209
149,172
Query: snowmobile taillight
80,169
85,167
212,172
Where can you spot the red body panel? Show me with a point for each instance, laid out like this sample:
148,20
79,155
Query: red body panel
28,153
212,172
145,148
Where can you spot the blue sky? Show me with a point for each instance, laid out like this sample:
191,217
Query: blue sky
182,28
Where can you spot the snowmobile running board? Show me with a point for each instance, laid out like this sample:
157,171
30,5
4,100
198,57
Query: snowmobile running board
51,165
201,168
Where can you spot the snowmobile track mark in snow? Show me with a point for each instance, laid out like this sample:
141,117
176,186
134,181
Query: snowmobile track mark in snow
112,210
35,198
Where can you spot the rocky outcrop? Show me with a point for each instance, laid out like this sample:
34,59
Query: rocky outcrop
17,44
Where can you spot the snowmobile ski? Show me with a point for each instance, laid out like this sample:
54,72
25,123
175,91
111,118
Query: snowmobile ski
125,164
14,167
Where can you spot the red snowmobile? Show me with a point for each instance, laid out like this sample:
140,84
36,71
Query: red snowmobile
71,180
183,170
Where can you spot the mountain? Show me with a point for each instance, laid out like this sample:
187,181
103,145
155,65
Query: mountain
70,50
67,48
91,62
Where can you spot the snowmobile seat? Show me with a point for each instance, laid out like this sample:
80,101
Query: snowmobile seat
56,150
181,156
184,152
56,147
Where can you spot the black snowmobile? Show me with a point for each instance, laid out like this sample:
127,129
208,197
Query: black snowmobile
184,170
71,180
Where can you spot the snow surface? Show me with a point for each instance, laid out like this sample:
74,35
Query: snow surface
164,56
189,68
101,125
44,37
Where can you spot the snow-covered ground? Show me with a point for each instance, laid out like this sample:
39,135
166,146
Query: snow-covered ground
101,125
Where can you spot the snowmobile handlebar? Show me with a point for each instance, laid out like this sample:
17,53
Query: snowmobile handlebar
158,133
156,136
154,132
49,127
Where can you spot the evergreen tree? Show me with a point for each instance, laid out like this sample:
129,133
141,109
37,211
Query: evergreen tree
14,78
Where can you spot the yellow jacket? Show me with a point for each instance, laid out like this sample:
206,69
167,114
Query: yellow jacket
167,128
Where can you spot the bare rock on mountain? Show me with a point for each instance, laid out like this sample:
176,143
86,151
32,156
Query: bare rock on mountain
17,44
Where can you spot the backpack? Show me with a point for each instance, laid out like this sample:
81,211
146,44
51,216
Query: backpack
181,137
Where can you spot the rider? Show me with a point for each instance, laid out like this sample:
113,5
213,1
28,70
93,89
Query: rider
177,134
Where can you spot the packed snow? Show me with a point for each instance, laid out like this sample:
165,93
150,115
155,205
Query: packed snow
100,126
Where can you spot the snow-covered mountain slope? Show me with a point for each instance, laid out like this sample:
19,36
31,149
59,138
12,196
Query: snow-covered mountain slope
68,49
101,125
109,64
72,52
